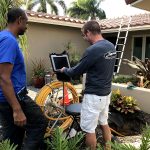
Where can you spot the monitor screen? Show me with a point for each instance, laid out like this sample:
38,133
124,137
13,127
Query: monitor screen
59,61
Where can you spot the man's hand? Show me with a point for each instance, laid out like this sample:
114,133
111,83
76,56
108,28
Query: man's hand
62,69
6,85
19,117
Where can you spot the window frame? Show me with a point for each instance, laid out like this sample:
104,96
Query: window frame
143,45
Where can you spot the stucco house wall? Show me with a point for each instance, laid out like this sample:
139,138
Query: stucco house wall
46,38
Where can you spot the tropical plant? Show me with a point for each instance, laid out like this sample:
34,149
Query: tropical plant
86,9
59,142
5,5
123,104
73,54
6,145
38,68
38,73
44,3
142,70
23,44
145,145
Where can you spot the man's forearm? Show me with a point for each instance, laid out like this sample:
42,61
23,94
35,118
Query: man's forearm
8,91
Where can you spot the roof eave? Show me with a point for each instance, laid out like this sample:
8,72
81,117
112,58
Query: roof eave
79,25
137,28
55,22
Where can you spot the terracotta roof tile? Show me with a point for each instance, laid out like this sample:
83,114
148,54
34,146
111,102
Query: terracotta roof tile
54,17
137,20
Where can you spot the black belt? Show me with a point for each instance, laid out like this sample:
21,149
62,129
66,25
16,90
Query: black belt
22,94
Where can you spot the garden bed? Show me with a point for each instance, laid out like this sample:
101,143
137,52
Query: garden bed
142,95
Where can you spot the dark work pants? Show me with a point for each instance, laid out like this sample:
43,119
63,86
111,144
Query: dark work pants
32,133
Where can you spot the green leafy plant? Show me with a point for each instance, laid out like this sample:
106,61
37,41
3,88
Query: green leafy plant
142,70
86,9
38,68
5,5
6,145
59,142
145,145
23,44
73,54
124,104
125,79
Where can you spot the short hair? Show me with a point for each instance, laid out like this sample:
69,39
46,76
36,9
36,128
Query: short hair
14,13
93,26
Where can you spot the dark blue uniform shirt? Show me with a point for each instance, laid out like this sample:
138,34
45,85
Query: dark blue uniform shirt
98,63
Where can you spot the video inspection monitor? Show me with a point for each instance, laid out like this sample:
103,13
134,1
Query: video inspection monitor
59,61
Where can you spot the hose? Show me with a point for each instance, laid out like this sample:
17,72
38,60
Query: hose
47,90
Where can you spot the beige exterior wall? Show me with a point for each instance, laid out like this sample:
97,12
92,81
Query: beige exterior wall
45,38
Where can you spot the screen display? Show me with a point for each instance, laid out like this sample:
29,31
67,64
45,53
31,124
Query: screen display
60,61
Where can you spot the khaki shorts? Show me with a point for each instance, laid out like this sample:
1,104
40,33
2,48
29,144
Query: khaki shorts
94,109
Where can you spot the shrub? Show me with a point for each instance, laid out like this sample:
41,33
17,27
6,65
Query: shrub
6,145
124,104
38,69
59,142
125,79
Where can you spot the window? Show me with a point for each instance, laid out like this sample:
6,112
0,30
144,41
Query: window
141,47
137,49
147,52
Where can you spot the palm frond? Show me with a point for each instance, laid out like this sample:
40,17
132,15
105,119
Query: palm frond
58,141
119,146
30,4
85,9
131,64
73,143
43,5
23,44
54,9
145,145
100,14
6,145
140,64
62,4
77,12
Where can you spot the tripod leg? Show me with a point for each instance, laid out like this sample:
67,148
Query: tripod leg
70,128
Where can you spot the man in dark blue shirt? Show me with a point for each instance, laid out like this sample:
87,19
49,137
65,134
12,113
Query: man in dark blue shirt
98,64
18,112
